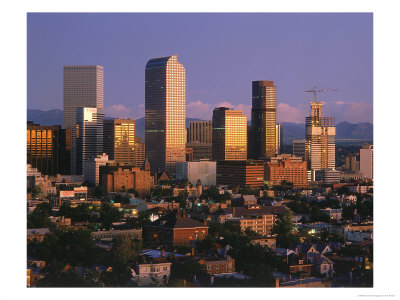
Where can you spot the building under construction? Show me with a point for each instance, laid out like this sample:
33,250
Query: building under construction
320,138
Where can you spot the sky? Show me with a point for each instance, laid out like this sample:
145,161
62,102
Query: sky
222,54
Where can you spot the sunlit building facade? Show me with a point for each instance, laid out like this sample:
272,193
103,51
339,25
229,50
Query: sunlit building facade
43,148
199,138
279,138
263,120
320,140
89,135
119,140
165,113
229,134
83,86
140,152
367,161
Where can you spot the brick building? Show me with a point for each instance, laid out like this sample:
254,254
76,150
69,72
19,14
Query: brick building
216,265
117,177
287,167
175,229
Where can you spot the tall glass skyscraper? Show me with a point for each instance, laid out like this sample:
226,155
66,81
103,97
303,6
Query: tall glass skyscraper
229,134
83,87
263,120
89,135
165,113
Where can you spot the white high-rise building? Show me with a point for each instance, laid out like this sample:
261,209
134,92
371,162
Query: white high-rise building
367,161
89,135
204,170
83,86
91,168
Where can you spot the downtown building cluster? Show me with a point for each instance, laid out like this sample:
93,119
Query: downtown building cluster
170,189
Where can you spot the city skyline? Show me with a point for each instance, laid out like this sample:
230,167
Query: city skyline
344,49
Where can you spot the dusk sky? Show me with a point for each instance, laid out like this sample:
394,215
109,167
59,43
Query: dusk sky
222,54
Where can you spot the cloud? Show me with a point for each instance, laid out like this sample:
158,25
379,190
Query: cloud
292,114
118,111
201,110
350,111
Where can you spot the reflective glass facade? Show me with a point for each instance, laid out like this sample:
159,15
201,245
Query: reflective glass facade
83,86
89,135
119,140
263,119
229,134
165,113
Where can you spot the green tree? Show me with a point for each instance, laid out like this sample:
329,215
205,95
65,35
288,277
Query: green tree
36,192
284,228
109,214
39,218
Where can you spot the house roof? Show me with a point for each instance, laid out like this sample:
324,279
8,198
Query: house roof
240,211
174,221
154,253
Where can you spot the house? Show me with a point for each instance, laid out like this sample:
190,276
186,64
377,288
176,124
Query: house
175,229
270,241
283,280
113,234
322,265
152,273
37,233
218,265
333,214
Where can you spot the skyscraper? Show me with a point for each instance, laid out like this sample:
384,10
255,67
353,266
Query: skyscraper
89,135
199,138
279,138
165,113
83,87
119,140
367,161
263,119
299,148
229,134
320,140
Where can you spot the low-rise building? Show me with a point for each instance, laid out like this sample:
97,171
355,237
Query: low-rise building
175,229
333,214
327,176
113,234
215,265
148,274
240,172
37,233
286,167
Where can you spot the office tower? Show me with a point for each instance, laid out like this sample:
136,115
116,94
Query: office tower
165,113
199,138
263,119
241,173
229,134
299,148
43,148
367,161
351,162
89,135
286,167
119,140
83,87
91,168
140,153
320,140
279,138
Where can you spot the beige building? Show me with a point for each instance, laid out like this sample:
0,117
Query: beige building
165,113
83,86
91,168
199,138
367,162
229,134
140,152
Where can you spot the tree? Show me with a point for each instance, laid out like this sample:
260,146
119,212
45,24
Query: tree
283,228
109,214
73,247
36,192
39,218
99,192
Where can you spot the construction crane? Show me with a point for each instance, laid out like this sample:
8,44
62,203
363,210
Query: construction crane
315,91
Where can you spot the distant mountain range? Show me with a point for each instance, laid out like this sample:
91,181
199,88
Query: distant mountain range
344,130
